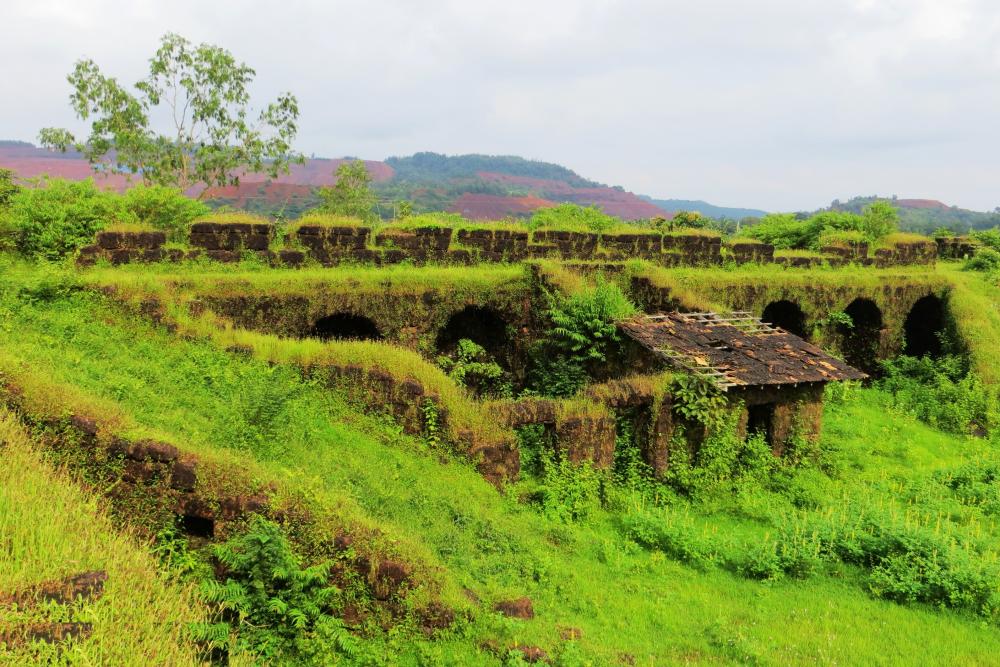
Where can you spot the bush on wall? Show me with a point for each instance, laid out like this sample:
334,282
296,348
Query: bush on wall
56,217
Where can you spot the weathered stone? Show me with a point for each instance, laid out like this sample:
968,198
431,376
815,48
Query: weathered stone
256,242
161,452
205,228
435,616
183,476
532,653
141,472
519,608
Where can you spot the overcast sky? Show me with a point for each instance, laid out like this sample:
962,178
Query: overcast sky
774,104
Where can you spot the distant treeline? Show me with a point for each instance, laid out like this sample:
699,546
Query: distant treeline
927,220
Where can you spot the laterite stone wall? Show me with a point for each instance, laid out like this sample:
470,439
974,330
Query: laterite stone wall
127,247
332,245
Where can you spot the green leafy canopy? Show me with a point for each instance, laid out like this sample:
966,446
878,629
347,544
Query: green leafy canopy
203,93
352,194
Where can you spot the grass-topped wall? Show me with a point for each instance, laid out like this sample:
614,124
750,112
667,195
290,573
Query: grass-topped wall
376,376
154,480
405,305
329,240
820,296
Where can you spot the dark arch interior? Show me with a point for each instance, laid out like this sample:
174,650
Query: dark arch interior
481,325
787,315
861,341
923,327
345,326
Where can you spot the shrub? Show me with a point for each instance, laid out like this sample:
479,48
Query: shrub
782,230
676,536
911,558
795,553
572,216
268,601
787,231
58,216
570,491
879,219
8,188
585,323
583,326
941,392
989,238
986,259
476,370
164,208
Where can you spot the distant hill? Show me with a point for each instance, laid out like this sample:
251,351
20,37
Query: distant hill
926,215
703,207
437,168
483,187
478,186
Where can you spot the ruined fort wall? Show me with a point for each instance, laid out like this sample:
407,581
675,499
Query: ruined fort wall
893,295
329,245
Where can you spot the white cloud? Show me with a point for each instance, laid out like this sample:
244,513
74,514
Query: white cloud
776,103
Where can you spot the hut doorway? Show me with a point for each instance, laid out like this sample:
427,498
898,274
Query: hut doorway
759,420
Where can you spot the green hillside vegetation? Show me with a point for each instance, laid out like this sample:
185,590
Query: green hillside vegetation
435,168
53,529
878,544
927,220
591,552
789,231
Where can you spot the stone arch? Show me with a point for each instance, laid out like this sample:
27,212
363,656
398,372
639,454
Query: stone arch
483,325
787,315
860,342
345,326
923,327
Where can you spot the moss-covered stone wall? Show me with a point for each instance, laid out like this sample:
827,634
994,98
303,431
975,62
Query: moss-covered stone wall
818,298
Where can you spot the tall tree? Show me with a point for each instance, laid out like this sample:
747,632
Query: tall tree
352,194
203,92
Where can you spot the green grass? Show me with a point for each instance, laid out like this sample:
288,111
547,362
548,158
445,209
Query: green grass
231,217
53,529
906,237
222,278
975,303
588,575
132,228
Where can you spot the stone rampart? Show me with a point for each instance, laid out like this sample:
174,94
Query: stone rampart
330,245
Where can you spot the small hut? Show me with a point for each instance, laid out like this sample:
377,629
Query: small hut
777,376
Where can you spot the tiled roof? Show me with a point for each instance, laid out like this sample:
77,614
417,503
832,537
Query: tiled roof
735,349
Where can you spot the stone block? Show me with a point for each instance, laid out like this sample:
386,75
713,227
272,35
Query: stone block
109,240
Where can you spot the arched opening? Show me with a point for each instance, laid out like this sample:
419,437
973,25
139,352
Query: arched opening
481,325
787,315
861,339
345,326
923,326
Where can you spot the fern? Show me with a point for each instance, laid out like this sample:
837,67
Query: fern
268,603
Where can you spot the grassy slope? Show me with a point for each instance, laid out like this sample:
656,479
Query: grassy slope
975,302
52,529
624,598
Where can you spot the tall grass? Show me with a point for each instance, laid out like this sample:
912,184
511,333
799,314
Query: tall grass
52,529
